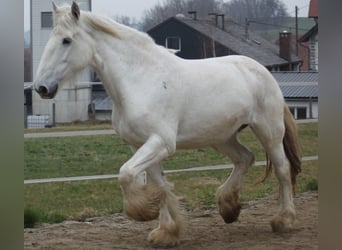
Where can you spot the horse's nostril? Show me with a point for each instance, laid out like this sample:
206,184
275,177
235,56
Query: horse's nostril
43,90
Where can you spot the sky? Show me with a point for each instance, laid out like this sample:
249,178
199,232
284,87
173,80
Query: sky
136,8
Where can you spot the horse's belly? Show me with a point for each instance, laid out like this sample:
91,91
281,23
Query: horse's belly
194,134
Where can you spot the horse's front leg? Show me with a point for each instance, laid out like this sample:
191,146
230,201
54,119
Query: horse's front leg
170,221
148,201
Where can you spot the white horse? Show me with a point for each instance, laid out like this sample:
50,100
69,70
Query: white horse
163,103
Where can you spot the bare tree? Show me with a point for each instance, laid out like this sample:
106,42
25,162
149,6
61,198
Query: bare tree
259,11
262,12
169,8
128,21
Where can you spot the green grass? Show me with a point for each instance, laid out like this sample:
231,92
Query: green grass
104,154
54,202
73,200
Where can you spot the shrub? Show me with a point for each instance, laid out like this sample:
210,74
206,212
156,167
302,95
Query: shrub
312,185
31,217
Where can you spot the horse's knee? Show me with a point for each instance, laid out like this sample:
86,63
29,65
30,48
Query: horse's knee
228,205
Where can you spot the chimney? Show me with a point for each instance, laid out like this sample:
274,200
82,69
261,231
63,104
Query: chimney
285,45
194,14
246,29
216,17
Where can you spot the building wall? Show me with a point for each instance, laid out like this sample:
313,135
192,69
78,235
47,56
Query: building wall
193,44
295,104
71,104
71,101
314,53
104,115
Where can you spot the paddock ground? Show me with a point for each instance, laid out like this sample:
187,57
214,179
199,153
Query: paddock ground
204,229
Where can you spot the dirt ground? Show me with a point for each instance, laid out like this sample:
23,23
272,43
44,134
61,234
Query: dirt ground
204,230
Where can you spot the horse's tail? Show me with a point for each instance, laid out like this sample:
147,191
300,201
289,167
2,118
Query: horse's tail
291,145
291,148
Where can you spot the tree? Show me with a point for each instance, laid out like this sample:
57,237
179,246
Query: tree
260,12
169,8
128,21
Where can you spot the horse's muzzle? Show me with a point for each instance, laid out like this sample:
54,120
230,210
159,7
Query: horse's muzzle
46,92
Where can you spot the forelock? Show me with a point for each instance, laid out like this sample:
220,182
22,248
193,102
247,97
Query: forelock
63,19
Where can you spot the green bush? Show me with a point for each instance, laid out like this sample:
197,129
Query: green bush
31,217
312,185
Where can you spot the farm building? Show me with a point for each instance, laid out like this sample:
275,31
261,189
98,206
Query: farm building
300,90
311,37
193,38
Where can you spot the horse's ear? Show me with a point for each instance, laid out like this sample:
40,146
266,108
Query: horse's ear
75,10
55,7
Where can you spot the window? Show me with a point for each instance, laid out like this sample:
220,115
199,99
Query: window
298,112
301,113
173,42
46,19
293,112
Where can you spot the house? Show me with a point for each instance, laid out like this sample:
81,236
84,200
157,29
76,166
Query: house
193,38
311,37
300,91
71,102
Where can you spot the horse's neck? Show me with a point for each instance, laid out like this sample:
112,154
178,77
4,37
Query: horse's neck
122,63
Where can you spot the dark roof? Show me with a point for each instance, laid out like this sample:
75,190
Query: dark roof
296,77
310,33
302,91
297,84
233,37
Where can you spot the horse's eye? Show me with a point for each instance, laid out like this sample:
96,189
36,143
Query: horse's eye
66,41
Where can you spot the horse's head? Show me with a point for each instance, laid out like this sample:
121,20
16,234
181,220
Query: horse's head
67,52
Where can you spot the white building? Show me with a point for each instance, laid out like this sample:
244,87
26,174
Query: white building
300,91
71,102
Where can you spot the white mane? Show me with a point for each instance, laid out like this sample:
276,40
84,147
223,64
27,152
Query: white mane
63,19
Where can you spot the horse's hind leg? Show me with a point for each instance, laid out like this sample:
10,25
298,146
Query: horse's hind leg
271,136
228,193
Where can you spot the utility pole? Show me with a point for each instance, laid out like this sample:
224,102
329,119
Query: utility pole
296,30
246,28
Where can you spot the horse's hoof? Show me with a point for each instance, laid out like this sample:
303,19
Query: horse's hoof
229,213
229,206
283,222
163,238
